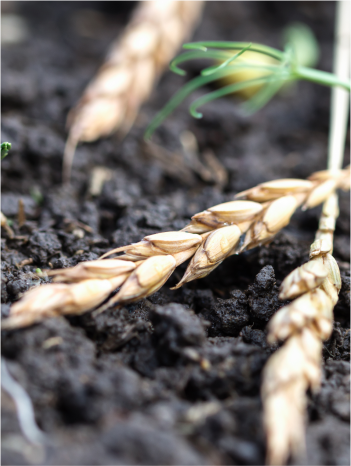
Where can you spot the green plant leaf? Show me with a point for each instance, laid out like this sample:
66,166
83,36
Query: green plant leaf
264,95
222,92
5,147
212,69
194,84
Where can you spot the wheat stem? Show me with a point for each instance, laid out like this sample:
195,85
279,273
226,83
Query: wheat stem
340,98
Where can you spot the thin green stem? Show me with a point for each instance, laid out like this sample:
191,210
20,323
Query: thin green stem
264,95
320,77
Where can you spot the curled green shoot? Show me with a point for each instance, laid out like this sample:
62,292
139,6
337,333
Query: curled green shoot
212,69
194,84
230,89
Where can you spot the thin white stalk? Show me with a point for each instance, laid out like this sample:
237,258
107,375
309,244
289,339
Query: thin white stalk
25,411
340,98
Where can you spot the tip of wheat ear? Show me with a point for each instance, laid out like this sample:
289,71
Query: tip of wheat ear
59,298
135,61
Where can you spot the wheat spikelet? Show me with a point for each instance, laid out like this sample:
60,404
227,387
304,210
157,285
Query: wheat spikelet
296,367
134,63
208,239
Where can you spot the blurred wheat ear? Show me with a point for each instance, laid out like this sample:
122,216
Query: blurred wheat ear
308,320
132,67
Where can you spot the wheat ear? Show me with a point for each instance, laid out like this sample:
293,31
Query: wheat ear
304,323
308,320
134,63
142,268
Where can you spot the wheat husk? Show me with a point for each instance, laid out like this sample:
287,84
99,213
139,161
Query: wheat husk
132,67
149,277
303,324
215,248
99,269
226,229
303,279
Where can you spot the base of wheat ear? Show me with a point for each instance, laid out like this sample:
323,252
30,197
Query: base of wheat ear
303,324
134,63
212,235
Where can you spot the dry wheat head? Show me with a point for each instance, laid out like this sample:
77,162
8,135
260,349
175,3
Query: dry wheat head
134,63
210,237
303,324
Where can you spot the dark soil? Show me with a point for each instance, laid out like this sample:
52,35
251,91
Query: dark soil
175,378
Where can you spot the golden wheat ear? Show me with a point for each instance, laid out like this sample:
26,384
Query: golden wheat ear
303,325
144,267
132,67
308,320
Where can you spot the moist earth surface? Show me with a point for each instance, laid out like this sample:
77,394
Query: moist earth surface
174,378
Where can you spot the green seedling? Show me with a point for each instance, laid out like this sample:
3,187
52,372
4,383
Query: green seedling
270,73
5,147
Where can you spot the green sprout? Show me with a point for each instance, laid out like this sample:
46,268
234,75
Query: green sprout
5,147
279,68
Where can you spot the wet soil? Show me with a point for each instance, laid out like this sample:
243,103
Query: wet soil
175,378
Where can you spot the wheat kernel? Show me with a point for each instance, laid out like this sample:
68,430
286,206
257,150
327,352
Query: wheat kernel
146,279
320,246
228,213
303,279
275,189
279,212
320,194
333,271
173,242
92,269
296,315
216,247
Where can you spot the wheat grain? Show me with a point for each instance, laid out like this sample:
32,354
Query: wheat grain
171,242
216,246
134,63
284,396
210,237
99,269
305,278
149,277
